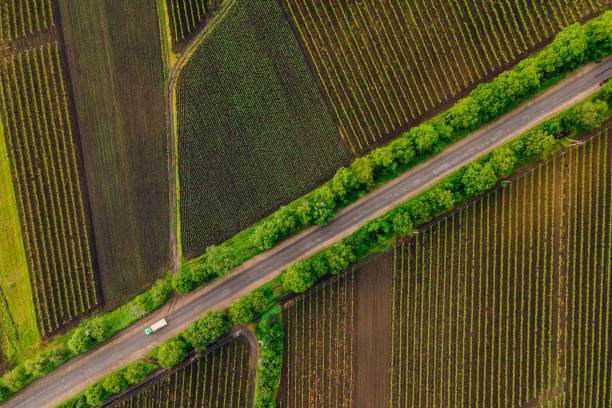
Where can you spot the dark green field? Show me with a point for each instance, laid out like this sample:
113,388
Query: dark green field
253,130
115,61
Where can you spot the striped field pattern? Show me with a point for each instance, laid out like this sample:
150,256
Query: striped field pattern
506,302
384,65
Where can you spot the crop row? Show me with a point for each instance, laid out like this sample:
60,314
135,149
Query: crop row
44,155
220,378
318,350
186,16
20,18
481,299
384,65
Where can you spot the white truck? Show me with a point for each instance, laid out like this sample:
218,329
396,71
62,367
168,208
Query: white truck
155,326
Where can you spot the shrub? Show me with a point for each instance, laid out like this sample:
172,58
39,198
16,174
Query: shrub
419,210
338,256
383,160
115,383
440,199
38,365
221,259
15,379
172,352
245,309
363,170
464,114
135,373
270,338
403,150
201,333
57,354
401,221
321,206
4,392
183,281
96,394
343,183
80,341
96,328
79,401
161,292
599,36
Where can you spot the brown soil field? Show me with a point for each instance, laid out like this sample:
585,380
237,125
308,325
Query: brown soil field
115,60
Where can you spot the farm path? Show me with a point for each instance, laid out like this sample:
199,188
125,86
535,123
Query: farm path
172,136
132,344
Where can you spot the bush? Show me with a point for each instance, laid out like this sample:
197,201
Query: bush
599,36
401,221
538,142
245,309
403,150
161,292
4,392
183,281
80,401
16,379
440,199
80,341
135,373
383,160
115,383
96,328
96,394
319,207
270,338
363,170
201,333
221,259
171,352
464,114
419,210
343,183
38,365
424,136
338,256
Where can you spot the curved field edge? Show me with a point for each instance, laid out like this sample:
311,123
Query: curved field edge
265,122
19,327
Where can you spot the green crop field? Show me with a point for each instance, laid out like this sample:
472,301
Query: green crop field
187,16
385,65
18,327
115,61
504,302
43,148
215,379
253,131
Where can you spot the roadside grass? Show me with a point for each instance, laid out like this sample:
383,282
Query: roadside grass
18,319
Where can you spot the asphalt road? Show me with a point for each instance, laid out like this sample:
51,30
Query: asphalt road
132,343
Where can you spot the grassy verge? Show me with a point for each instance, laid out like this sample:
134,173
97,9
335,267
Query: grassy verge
17,314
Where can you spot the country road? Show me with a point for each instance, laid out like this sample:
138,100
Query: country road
131,344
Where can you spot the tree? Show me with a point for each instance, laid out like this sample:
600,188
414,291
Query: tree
79,401
419,210
16,379
567,50
264,236
441,199
478,178
135,373
465,114
161,292
503,161
80,341
201,273
114,383
38,365
172,352
221,259
245,309
538,142
363,170
383,160
96,328
599,36
586,116
201,333
402,223
343,183
338,256
444,130
95,394
322,205
298,277
403,150
553,126
183,281
425,137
